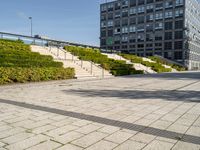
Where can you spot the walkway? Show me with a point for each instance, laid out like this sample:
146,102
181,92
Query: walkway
160,111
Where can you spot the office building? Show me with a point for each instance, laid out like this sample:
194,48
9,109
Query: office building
169,28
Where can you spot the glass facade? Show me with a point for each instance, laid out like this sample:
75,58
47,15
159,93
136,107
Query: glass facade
148,27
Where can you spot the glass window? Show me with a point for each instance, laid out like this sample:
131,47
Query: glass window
117,30
168,14
159,25
179,24
169,4
140,28
140,37
124,29
103,24
169,25
168,45
159,16
132,28
178,34
104,7
117,14
125,38
159,6
133,11
110,23
149,27
179,13
141,9
179,2
168,35
141,19
149,17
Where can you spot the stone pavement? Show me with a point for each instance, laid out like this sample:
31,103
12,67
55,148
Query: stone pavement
150,112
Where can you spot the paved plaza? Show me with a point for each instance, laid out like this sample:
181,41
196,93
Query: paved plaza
149,112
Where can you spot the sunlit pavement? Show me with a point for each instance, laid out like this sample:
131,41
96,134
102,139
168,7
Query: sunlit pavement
124,113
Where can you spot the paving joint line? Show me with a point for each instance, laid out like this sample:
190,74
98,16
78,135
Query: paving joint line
116,123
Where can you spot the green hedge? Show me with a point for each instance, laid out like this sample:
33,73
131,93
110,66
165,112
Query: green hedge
157,67
19,64
22,75
158,60
116,67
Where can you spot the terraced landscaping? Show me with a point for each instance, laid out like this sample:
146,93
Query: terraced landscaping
116,67
156,66
19,64
158,60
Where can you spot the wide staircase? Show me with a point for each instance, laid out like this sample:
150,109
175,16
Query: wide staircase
137,66
83,69
166,66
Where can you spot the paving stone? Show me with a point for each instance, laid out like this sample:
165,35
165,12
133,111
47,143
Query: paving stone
38,124
23,123
81,123
88,129
59,117
130,145
193,130
166,140
186,146
131,118
119,137
159,145
5,127
13,120
102,145
197,122
49,145
10,132
185,122
17,137
2,144
89,139
68,137
144,122
70,147
27,143
61,123
109,129
177,128
170,117
60,131
143,138
161,124
43,129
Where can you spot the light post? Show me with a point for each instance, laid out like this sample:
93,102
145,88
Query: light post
30,18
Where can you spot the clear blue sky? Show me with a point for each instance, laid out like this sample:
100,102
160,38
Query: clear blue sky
71,20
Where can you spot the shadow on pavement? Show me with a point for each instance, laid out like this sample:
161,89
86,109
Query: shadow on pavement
191,96
171,76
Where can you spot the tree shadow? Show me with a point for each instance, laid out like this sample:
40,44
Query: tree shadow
175,95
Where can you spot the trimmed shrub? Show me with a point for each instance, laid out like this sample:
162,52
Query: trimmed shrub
157,67
158,60
116,67
22,75
19,64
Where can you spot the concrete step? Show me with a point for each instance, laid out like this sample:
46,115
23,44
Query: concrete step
82,68
135,65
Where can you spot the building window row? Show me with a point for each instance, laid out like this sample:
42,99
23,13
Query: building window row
132,3
141,27
149,17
